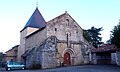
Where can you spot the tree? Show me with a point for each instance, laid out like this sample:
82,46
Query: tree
86,35
93,36
115,36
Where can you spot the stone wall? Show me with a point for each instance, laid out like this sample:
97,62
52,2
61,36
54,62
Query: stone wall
23,34
77,56
113,58
118,58
21,48
49,53
63,25
44,54
70,36
94,58
34,40
34,58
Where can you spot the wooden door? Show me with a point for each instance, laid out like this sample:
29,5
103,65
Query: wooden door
67,58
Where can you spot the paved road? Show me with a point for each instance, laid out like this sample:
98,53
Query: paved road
82,68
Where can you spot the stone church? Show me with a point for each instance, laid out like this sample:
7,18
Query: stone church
58,42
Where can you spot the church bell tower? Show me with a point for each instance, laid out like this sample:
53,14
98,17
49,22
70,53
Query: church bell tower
35,23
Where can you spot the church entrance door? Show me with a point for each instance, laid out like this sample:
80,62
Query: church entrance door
67,58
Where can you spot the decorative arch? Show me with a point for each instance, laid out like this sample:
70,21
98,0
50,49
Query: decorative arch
70,53
70,50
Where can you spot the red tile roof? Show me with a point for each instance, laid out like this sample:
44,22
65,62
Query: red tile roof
106,48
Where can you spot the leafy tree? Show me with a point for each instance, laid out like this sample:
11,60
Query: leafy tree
86,35
93,36
115,36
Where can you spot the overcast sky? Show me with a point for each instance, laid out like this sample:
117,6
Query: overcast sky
87,13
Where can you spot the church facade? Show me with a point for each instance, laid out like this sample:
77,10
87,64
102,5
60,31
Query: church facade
58,42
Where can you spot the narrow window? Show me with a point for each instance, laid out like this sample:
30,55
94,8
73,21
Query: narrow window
67,22
67,40
76,31
55,29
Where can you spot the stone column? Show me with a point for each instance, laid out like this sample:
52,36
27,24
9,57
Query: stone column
113,58
94,58
118,58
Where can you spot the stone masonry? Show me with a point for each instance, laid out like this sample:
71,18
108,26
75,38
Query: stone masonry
59,43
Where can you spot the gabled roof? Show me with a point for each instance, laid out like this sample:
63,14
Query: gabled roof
65,14
13,48
35,21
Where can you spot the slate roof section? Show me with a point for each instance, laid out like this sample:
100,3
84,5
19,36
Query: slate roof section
35,21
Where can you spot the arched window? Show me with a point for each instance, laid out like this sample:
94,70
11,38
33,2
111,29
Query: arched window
67,22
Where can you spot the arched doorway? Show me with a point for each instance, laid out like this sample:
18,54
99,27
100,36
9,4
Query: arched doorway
67,58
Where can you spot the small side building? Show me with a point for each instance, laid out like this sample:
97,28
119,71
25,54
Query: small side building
106,54
12,54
